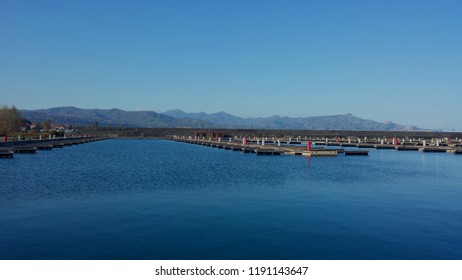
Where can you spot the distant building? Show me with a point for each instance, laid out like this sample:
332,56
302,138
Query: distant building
210,134
58,127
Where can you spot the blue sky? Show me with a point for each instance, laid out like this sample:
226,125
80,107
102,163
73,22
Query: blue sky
382,60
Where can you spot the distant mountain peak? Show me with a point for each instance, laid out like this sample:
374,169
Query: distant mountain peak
178,118
110,117
175,111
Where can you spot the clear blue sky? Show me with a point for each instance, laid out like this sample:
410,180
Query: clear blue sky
382,60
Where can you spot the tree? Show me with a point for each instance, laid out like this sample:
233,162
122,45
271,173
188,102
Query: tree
10,120
46,125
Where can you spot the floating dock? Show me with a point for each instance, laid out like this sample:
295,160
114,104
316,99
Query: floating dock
267,149
347,145
32,146
268,152
357,153
408,148
6,154
433,150
322,153
385,147
25,150
433,145
44,148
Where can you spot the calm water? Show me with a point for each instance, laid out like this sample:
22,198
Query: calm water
153,199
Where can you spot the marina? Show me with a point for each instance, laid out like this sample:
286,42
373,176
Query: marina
315,146
266,149
296,146
262,140
388,205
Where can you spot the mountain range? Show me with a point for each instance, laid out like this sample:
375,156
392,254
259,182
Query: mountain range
179,119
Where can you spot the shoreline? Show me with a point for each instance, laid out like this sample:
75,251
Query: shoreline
163,133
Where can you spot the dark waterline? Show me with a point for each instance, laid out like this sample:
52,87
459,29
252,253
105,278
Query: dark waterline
155,199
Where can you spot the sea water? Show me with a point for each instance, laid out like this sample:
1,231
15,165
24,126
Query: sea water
158,199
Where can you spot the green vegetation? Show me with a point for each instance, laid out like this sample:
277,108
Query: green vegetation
10,120
12,124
